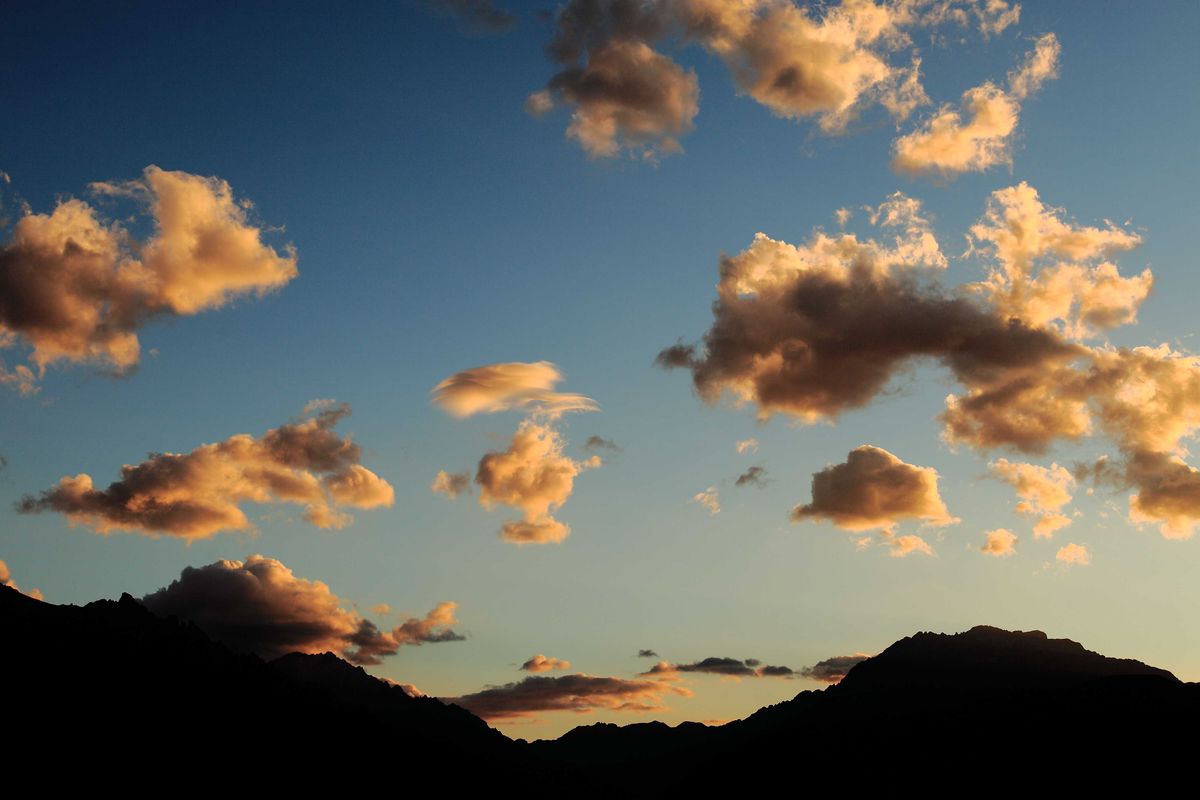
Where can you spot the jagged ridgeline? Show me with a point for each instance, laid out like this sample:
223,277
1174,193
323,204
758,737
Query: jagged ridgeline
108,695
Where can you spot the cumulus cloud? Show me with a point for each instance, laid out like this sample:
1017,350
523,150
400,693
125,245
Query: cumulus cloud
76,288
832,670
534,476
755,476
815,330
708,500
513,386
801,62
979,135
1050,271
451,484
721,665
1043,492
6,579
260,606
580,693
875,490
541,663
999,543
746,446
196,495
1074,555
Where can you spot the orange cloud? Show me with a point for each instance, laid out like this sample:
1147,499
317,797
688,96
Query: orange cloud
999,543
1074,555
979,137
874,489
196,495
513,386
75,288
6,579
541,663
1043,492
259,606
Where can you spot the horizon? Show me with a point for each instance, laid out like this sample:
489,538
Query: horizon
479,345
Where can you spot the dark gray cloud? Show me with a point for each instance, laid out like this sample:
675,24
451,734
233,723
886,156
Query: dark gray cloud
722,665
578,693
832,670
755,476
647,654
260,606
600,443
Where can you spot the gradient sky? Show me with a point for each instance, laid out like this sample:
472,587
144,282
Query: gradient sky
440,227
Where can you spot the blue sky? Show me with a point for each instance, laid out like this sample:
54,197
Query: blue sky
439,227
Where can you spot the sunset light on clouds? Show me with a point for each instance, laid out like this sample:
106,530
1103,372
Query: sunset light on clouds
748,331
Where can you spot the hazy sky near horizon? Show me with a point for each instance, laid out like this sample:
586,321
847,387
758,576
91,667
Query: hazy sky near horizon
408,219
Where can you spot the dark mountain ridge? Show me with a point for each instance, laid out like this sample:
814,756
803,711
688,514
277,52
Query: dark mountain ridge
120,692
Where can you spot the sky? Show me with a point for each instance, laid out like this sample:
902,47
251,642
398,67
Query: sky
291,264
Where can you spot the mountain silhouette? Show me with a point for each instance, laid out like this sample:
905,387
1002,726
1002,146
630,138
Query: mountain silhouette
110,695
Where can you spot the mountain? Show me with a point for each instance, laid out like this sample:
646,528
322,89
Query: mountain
110,695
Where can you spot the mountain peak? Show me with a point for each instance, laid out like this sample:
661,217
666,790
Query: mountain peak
986,657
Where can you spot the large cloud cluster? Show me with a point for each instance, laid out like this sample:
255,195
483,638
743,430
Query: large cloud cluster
76,288
260,606
533,474
196,495
797,61
815,330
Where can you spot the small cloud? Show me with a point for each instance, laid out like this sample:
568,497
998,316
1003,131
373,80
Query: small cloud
755,476
999,543
747,446
832,670
647,654
708,500
541,663
451,484
600,443
1074,555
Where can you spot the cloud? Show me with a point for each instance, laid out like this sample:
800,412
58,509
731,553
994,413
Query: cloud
541,663
451,484
747,446
600,443
76,288
647,654
1050,271
259,606
534,476
818,329
978,137
815,330
6,579
832,670
514,386
1043,492
194,496
579,693
626,96
1074,555
999,543
709,500
479,16
717,665
755,476
874,489
903,546
826,64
